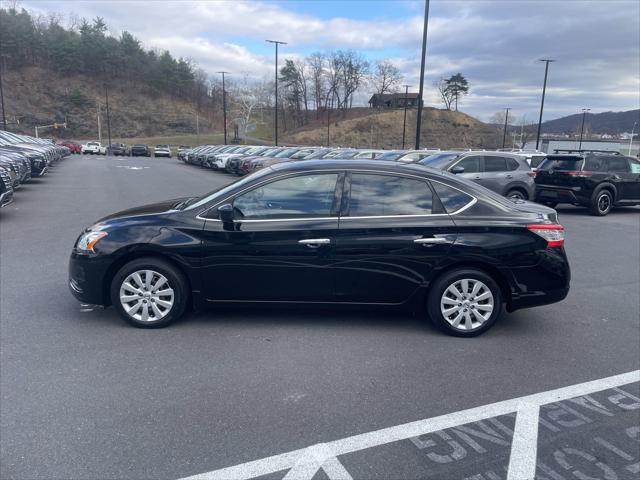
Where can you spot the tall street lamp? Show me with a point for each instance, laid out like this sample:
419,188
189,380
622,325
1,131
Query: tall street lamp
404,123
633,129
106,97
422,62
276,42
224,107
4,113
506,120
584,114
544,90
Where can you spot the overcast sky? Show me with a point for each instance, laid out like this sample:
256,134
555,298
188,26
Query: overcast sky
495,44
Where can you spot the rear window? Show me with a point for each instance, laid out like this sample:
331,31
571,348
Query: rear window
554,163
452,199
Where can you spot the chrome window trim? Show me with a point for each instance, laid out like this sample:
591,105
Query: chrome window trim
473,201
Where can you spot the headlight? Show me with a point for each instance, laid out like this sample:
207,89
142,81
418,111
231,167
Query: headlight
88,240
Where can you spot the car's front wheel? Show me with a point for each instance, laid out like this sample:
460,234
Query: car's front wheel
464,302
149,293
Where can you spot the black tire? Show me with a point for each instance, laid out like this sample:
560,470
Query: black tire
517,193
442,283
175,280
601,202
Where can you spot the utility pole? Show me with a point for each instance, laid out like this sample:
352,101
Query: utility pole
224,107
106,98
422,62
544,90
584,114
197,125
4,112
329,117
506,120
99,124
276,42
404,123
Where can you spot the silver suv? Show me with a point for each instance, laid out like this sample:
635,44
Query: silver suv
504,173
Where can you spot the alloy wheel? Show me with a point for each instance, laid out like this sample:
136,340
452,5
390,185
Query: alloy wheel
146,296
604,202
466,304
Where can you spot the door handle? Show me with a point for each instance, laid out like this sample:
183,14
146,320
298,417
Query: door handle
315,242
509,176
429,241
477,178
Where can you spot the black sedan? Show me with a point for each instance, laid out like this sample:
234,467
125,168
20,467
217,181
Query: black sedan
328,232
140,151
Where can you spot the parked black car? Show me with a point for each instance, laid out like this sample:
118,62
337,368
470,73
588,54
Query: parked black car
328,232
598,181
119,149
6,187
140,151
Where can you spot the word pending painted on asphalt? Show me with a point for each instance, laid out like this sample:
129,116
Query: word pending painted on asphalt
586,431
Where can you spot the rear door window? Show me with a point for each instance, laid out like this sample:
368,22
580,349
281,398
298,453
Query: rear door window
618,165
388,195
451,198
495,164
595,164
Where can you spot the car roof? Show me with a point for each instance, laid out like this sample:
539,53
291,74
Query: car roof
373,165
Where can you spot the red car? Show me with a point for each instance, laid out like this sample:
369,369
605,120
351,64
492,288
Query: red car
73,146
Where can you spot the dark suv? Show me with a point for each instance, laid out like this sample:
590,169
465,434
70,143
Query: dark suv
599,181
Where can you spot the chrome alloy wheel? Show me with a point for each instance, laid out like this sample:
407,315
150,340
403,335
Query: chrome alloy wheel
604,202
466,304
146,296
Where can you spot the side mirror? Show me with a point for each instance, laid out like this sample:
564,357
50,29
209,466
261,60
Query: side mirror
457,169
226,213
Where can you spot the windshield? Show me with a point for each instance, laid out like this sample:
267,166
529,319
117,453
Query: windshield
286,153
439,160
390,156
196,202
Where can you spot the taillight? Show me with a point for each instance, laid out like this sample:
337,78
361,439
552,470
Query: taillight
553,233
578,173
532,173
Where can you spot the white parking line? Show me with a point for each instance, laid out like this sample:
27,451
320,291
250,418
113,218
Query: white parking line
306,462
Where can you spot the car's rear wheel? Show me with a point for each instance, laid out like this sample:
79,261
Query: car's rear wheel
149,293
601,203
464,302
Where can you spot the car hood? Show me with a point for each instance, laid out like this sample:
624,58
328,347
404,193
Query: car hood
150,209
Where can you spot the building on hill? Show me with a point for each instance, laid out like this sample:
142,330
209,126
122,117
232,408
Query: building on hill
393,100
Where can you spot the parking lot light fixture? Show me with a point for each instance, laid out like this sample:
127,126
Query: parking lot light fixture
275,139
106,97
544,90
584,114
224,107
422,62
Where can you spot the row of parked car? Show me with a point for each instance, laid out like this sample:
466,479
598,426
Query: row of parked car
598,180
22,158
118,149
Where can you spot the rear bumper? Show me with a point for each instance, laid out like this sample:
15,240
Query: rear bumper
548,193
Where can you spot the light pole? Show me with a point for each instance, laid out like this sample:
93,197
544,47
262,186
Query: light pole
404,123
422,61
584,114
106,97
224,107
4,113
544,90
633,129
276,42
506,120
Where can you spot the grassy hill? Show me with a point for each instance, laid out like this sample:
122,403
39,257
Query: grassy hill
373,128
38,96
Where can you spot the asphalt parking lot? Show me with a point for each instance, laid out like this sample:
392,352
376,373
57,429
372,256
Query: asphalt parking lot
84,396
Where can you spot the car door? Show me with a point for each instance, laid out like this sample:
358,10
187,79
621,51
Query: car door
621,176
634,183
495,174
472,167
280,244
392,233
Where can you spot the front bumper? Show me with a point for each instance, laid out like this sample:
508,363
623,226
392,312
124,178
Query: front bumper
87,275
6,198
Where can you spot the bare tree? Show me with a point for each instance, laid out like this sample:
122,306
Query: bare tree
446,96
248,96
386,77
316,64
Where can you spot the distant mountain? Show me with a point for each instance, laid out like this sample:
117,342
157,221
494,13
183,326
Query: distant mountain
606,122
